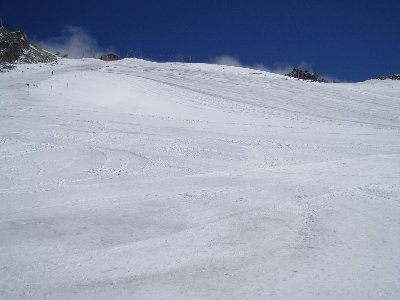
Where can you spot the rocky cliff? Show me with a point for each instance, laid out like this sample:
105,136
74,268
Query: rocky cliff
16,48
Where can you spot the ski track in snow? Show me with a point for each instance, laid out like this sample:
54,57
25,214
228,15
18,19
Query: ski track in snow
141,180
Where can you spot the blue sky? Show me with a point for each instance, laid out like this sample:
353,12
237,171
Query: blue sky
349,40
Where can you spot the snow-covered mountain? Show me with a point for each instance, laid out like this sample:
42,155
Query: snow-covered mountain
141,180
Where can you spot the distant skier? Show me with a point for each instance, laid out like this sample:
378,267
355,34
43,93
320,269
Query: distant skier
52,72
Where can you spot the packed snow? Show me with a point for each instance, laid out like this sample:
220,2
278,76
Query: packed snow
142,180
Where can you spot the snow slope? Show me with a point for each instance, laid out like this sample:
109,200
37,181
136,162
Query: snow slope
140,180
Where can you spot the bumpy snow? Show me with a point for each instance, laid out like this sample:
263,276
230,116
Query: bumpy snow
140,180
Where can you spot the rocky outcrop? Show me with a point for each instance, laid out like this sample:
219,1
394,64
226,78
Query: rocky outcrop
109,57
392,77
306,75
16,48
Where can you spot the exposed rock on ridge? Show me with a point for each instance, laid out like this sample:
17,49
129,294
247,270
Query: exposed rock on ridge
305,75
392,77
16,48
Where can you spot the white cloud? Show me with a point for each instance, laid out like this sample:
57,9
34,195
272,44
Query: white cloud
74,41
227,60
277,67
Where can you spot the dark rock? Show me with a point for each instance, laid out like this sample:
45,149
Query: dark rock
305,75
392,77
109,57
16,48
4,66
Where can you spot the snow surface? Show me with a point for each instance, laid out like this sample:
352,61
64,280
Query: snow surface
140,180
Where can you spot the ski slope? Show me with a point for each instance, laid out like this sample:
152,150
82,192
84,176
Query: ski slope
141,180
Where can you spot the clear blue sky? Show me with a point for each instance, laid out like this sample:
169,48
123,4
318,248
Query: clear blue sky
352,40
